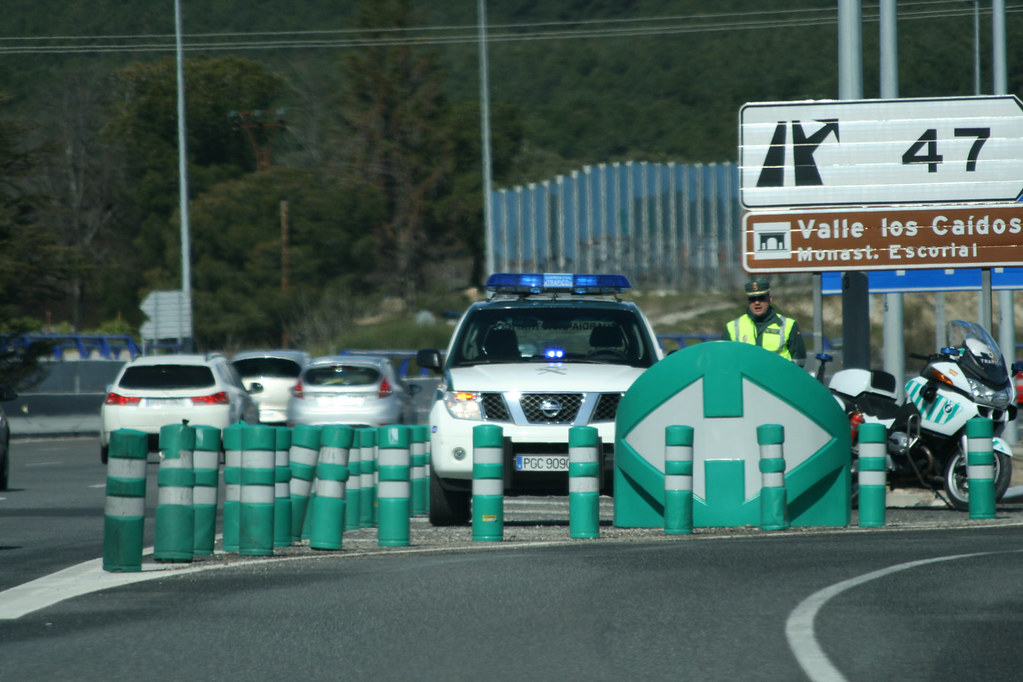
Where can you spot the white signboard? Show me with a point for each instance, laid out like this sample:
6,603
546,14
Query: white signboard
905,151
169,313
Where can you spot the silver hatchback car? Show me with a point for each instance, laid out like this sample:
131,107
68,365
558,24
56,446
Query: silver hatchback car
351,389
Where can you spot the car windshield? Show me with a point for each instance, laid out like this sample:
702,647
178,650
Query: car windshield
341,375
267,367
167,377
554,334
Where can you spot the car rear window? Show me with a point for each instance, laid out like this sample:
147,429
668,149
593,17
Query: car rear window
167,376
267,367
341,375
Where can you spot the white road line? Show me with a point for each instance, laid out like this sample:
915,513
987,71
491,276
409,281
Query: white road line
799,626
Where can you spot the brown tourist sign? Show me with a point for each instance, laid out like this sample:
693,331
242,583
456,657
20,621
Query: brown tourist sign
883,238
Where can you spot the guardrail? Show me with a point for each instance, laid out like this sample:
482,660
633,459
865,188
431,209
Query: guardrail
106,346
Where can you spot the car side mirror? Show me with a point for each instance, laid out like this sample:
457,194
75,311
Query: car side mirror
429,358
413,389
255,387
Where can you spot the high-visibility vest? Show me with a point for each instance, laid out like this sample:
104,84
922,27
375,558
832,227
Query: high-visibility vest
773,338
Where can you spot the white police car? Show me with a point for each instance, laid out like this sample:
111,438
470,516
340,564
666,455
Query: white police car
544,353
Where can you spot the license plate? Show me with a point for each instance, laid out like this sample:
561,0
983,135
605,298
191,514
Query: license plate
164,402
341,400
541,462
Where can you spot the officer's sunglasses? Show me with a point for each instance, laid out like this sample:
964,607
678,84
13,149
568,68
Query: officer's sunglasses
762,297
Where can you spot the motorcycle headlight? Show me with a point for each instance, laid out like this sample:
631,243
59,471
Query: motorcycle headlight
463,404
985,395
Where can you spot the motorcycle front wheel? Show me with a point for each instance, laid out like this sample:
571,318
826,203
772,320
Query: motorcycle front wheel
957,484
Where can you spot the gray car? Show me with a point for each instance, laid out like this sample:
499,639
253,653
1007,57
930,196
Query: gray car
277,371
358,390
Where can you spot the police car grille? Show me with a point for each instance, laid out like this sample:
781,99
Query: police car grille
607,407
494,407
551,408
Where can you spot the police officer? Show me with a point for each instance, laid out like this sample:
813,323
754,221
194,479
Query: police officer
762,326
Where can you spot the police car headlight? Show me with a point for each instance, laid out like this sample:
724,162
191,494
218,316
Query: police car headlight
463,404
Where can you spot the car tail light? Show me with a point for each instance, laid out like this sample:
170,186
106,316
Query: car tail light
215,399
385,389
296,390
117,399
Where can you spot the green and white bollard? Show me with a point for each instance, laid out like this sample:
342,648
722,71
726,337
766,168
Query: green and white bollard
175,515
678,480
206,466
980,467
125,511
282,487
872,474
303,455
232,484
583,482
487,483
353,489
367,500
256,508
773,499
393,489
420,483
328,514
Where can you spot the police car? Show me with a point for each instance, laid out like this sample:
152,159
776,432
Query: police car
543,353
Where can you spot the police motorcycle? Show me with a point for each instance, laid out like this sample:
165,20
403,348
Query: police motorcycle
926,433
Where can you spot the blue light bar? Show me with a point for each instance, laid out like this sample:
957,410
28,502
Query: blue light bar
551,282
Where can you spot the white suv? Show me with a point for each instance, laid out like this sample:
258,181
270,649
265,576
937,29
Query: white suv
544,353
155,390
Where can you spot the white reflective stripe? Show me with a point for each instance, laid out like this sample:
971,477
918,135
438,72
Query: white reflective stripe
232,492
393,489
678,453
872,478
206,459
980,444
354,484
332,489
258,459
774,479
395,457
174,494
678,482
583,484
204,495
257,494
126,468
772,451
354,455
182,462
417,448
419,472
232,458
487,486
331,455
487,455
282,458
366,479
125,506
980,472
303,455
300,488
583,455
282,489
875,450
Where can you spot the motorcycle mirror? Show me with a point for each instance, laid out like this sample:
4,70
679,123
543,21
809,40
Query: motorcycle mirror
929,392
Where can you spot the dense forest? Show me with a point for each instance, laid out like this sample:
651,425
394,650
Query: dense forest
334,146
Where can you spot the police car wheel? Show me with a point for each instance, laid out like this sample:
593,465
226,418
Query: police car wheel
448,507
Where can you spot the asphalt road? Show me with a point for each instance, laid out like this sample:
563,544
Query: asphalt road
735,604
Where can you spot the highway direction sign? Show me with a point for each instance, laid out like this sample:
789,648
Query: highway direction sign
883,238
905,151
169,313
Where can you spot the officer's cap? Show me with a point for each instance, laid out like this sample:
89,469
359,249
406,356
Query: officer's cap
758,287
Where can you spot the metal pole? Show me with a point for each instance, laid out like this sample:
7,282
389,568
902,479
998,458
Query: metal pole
186,248
894,304
488,239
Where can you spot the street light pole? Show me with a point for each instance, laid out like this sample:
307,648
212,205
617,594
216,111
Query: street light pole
488,223
186,266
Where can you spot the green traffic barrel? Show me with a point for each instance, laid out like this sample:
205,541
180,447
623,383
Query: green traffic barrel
175,515
125,509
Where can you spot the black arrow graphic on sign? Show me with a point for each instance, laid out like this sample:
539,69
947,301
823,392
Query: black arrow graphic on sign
773,172
803,148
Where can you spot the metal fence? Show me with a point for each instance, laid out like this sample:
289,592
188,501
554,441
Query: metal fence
667,225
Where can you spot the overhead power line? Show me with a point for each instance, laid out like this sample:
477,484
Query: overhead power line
498,33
